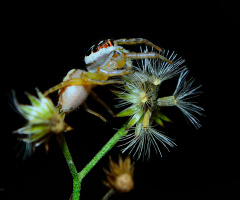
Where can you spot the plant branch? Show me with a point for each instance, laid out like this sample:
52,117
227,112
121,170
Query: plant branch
69,159
77,177
102,152
73,170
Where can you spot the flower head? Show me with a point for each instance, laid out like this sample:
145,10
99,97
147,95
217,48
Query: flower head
120,176
140,93
43,120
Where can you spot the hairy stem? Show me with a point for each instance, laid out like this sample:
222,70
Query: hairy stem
73,170
69,159
76,189
102,152
77,177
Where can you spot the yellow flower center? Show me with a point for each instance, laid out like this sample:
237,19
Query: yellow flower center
143,97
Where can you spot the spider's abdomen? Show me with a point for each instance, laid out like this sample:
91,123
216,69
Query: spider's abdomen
71,97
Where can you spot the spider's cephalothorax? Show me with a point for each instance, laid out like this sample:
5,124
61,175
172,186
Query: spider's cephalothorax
106,57
105,60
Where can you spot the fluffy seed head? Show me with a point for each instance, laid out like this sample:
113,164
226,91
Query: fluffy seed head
140,93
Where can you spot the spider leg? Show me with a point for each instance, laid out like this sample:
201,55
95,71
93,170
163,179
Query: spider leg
136,41
55,88
80,81
114,72
93,112
73,81
96,97
146,55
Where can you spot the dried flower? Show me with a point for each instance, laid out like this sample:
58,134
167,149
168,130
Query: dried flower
120,176
43,120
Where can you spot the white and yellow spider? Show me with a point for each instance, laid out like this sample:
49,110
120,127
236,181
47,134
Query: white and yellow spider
107,59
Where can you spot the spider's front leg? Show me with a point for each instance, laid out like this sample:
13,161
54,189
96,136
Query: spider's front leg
132,41
55,88
146,55
76,87
83,78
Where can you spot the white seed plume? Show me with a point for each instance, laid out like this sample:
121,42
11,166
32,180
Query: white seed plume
141,143
160,70
185,91
181,96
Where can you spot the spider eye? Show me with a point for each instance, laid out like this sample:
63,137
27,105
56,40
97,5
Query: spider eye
95,48
110,42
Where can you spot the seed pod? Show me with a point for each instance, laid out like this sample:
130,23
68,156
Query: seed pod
72,96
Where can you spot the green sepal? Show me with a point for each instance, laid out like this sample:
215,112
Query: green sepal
135,118
128,111
163,117
38,136
34,100
122,95
46,103
40,95
159,121
29,112
29,129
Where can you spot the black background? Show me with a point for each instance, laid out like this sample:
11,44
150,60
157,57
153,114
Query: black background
41,42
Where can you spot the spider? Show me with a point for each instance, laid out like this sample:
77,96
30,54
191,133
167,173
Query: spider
105,60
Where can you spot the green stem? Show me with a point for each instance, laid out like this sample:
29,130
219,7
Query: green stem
76,189
73,170
102,152
77,177
69,159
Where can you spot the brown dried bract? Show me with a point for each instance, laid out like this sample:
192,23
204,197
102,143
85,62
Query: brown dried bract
120,176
